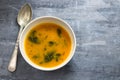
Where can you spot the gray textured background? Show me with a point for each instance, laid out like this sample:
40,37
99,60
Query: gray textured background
96,24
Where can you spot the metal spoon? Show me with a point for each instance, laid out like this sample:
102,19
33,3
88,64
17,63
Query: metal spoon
24,16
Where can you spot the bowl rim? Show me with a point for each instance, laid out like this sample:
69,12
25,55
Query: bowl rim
44,68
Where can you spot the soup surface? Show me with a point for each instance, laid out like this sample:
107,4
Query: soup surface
47,44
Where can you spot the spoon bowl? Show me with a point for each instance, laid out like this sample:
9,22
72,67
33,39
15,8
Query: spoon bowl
24,15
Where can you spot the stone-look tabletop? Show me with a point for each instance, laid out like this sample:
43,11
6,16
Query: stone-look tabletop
96,24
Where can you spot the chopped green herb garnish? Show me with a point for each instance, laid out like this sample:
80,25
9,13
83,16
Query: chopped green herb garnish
51,43
41,62
57,56
35,57
33,38
49,56
45,49
59,32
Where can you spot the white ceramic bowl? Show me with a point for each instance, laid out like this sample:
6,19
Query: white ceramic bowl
39,20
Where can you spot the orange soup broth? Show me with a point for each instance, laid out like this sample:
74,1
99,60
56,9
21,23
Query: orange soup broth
51,39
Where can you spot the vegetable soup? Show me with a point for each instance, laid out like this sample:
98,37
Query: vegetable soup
47,44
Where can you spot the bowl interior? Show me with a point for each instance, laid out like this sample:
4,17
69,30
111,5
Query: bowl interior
43,20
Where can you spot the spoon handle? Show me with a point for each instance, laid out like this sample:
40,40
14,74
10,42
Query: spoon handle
13,60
